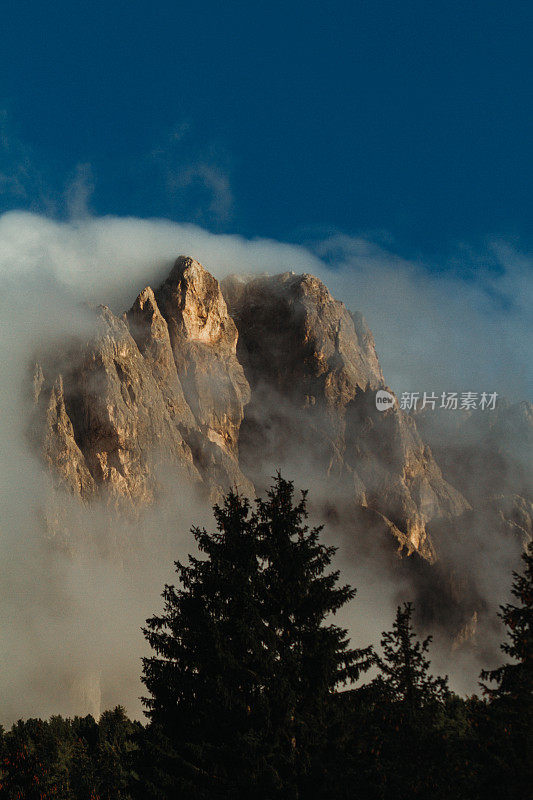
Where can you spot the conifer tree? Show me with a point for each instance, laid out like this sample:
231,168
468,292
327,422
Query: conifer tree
404,667
203,679
244,661
115,752
509,729
312,658
514,681
402,742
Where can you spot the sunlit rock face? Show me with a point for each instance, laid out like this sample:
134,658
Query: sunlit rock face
148,390
150,332
211,386
203,337
225,383
107,419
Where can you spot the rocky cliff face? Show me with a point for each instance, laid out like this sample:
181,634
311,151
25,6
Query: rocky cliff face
214,386
487,455
314,373
148,390
204,343
226,384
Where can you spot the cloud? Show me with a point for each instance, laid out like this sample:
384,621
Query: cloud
213,180
195,175
78,192
463,325
21,183
65,609
434,330
26,183
188,175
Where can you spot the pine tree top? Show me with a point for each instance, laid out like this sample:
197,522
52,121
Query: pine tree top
514,681
404,666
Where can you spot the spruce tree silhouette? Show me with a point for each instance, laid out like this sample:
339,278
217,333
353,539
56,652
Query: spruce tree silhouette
510,727
245,661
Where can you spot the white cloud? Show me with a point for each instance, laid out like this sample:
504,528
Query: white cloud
431,331
78,191
438,330
195,175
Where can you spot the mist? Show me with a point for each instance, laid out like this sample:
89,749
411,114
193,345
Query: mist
72,606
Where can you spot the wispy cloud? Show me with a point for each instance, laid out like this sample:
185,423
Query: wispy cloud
186,174
26,182
215,182
21,182
428,329
78,191
461,324
195,174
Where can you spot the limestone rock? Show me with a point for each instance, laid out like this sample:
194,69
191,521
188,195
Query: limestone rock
118,417
300,340
150,331
314,373
483,453
207,379
124,409
224,384
60,447
204,342
515,515
400,475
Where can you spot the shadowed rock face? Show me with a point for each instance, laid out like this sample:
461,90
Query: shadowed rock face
314,373
487,455
60,447
298,339
401,478
220,385
228,384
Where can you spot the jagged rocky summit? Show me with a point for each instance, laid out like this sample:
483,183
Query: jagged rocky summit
219,385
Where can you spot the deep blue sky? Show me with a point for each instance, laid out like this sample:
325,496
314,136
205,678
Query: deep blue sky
408,120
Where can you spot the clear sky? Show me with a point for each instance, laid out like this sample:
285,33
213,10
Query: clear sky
407,122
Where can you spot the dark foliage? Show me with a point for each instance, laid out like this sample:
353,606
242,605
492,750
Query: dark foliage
509,732
71,759
252,693
245,662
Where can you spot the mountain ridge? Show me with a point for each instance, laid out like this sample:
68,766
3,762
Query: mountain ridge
221,384
197,369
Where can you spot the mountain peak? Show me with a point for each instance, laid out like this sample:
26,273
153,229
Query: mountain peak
185,265
269,365
191,301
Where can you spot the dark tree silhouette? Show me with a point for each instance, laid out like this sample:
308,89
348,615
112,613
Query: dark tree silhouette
509,730
404,703
245,660
404,668
514,681
251,691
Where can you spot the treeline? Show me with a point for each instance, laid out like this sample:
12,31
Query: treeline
250,691
71,758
